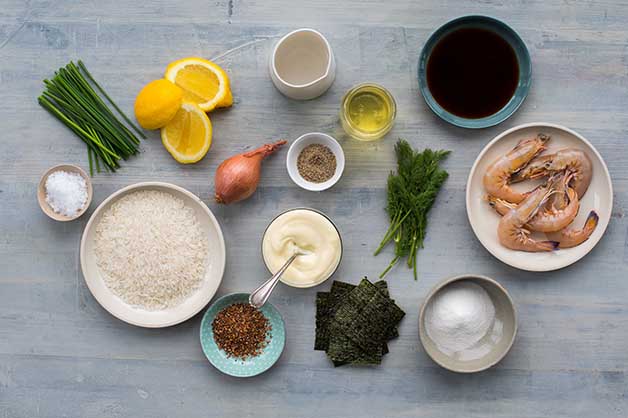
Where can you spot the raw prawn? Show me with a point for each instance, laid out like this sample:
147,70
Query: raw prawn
511,229
497,177
572,237
574,160
551,218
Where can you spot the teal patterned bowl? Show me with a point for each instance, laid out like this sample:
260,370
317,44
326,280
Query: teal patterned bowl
510,36
251,366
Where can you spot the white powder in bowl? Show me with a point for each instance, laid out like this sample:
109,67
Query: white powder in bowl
459,316
66,192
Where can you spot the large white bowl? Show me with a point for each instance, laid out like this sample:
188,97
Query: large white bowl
484,220
189,307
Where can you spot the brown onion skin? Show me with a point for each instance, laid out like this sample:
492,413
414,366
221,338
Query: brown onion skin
237,177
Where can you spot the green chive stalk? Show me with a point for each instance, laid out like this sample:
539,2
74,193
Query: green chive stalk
70,97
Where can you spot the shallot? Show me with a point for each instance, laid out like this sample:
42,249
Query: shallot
237,177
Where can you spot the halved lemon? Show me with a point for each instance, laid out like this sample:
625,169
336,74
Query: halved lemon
203,82
188,136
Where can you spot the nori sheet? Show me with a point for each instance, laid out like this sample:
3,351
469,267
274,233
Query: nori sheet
372,306
326,304
342,350
366,316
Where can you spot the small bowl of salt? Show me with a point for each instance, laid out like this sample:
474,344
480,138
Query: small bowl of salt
467,323
64,192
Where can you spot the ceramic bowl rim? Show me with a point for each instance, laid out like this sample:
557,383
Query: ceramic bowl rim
520,94
245,296
273,66
339,236
475,278
293,171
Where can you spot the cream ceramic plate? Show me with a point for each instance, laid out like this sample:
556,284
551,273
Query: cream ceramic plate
484,220
188,308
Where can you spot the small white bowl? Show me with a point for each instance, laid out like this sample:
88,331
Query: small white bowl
284,279
309,139
302,64
41,192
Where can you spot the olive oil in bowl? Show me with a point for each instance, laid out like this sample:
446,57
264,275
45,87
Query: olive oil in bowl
367,112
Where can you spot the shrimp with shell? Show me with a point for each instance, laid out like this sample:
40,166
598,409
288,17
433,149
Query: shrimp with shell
553,217
549,208
498,175
568,159
572,237
512,232
566,237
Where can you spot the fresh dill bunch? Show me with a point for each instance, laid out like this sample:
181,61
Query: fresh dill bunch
412,191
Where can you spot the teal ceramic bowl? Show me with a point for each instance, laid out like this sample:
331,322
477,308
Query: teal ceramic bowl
508,34
251,366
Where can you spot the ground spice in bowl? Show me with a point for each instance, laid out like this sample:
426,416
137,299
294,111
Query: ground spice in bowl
241,331
316,163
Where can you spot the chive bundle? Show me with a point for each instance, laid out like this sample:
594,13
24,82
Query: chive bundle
70,97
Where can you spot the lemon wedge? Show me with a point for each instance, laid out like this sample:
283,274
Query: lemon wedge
188,136
203,82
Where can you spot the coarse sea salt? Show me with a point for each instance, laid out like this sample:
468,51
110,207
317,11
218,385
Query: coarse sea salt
66,192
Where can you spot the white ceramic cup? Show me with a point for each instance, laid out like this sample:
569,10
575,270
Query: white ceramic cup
302,64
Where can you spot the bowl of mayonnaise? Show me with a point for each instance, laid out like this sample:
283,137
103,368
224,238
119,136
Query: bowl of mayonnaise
309,232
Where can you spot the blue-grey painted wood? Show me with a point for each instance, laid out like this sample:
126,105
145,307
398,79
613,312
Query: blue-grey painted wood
61,355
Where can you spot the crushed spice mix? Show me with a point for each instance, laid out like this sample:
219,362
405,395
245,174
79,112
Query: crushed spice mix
241,331
316,163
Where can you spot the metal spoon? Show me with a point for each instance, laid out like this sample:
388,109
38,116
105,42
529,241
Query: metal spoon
259,296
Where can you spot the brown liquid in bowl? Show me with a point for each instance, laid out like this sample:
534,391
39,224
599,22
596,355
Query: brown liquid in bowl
472,72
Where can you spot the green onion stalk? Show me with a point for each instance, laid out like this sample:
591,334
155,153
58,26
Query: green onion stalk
71,97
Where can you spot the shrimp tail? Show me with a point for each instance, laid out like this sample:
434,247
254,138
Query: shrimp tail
550,245
571,237
592,219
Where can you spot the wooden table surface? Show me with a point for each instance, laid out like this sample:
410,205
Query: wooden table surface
62,355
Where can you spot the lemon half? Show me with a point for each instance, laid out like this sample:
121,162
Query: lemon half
188,136
203,82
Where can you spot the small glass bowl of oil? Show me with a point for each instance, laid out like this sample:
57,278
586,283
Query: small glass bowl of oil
367,112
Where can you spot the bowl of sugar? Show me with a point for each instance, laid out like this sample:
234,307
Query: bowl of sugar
467,323
64,192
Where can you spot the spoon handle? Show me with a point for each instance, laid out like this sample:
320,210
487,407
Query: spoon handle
260,295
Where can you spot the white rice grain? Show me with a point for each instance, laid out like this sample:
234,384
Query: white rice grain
151,250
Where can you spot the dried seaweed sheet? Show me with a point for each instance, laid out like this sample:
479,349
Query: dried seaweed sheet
326,303
343,350
370,304
366,317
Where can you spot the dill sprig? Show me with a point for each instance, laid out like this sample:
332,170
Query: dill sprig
411,193
70,97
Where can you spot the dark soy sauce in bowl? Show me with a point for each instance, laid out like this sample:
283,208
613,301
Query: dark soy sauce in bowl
472,72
